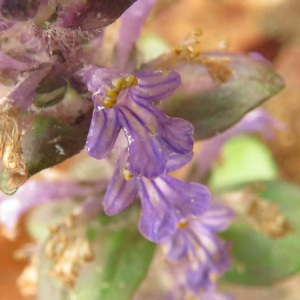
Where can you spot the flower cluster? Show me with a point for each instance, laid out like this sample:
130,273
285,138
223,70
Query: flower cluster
64,86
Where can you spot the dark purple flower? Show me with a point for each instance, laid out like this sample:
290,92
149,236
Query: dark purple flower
126,102
164,200
197,249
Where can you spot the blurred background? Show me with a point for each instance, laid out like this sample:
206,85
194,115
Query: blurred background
270,27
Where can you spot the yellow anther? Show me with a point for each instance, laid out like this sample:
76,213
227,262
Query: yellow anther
183,224
131,81
119,84
108,103
125,82
113,93
127,175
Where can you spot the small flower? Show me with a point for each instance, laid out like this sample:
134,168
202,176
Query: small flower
257,121
125,102
198,251
34,193
164,200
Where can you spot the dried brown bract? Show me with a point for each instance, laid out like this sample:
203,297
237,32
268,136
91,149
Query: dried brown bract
10,147
69,250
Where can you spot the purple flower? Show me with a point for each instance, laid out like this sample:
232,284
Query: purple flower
197,249
256,121
131,25
126,102
164,200
36,192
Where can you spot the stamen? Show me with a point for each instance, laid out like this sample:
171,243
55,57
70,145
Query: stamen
184,223
127,175
119,84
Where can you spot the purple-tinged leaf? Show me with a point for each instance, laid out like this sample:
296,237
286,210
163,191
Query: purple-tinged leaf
91,14
8,62
19,10
213,106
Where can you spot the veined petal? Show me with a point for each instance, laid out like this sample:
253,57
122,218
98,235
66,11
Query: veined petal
165,201
153,136
154,86
199,278
120,193
176,161
177,133
146,154
131,24
217,218
104,130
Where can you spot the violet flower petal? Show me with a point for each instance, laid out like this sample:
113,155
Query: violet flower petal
150,135
199,279
22,93
217,218
95,77
103,132
154,86
165,201
177,133
120,193
131,23
146,154
176,161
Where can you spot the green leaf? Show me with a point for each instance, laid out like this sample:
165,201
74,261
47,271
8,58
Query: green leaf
258,259
123,259
49,141
51,98
244,159
211,106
